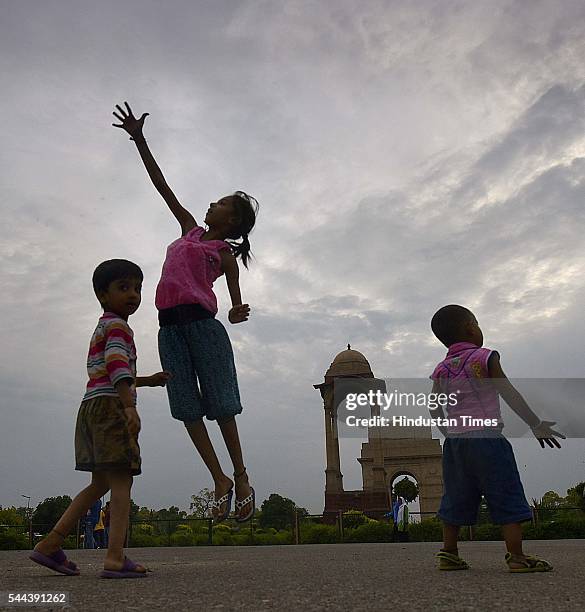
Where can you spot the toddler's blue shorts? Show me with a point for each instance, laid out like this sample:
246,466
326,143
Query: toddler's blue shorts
200,358
476,466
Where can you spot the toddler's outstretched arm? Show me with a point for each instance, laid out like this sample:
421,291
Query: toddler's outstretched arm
134,127
541,429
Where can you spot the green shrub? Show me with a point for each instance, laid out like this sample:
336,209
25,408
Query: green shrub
428,530
182,538
143,540
312,533
282,536
13,539
262,539
566,526
243,536
70,542
487,531
221,537
242,539
372,531
353,519
199,527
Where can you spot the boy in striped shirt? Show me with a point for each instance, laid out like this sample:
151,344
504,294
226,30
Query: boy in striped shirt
106,434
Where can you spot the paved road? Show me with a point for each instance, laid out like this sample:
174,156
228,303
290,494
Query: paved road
314,577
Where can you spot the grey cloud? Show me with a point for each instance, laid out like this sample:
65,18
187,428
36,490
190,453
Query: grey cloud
545,131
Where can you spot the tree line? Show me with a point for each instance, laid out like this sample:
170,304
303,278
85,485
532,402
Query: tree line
275,512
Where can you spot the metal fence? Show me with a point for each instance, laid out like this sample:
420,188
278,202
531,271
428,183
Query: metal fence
301,529
158,532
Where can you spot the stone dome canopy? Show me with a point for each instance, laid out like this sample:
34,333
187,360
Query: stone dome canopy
349,363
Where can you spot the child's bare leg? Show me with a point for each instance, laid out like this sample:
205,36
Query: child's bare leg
512,533
198,434
229,431
120,485
450,537
77,508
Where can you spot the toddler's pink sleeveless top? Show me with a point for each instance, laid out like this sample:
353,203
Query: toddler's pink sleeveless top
191,267
466,368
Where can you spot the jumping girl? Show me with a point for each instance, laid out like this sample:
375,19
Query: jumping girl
193,345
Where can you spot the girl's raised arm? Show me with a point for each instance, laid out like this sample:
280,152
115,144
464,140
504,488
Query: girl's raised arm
134,127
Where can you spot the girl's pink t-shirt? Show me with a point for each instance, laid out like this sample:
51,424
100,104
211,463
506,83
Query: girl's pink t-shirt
191,267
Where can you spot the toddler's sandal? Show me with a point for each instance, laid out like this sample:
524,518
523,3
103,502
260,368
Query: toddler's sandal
448,561
529,564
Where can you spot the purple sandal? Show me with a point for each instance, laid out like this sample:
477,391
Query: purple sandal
128,571
58,561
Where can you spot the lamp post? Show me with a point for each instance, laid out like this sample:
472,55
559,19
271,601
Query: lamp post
29,517
27,503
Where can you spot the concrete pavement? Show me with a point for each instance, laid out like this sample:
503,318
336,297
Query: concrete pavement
313,577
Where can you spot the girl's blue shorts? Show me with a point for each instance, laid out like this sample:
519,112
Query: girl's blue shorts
200,358
476,466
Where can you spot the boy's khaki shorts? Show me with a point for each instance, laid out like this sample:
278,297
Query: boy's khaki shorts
102,440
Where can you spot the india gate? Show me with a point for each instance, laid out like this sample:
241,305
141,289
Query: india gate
388,453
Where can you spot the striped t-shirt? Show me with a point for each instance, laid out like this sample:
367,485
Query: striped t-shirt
111,358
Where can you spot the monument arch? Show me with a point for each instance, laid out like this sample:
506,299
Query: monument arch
388,451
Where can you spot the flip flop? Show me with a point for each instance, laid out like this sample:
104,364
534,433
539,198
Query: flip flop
128,571
530,564
224,499
449,561
57,561
241,504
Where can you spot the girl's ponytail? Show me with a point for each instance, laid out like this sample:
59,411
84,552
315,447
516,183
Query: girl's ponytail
247,208
242,249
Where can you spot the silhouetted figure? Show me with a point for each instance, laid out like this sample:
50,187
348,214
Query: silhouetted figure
477,459
193,344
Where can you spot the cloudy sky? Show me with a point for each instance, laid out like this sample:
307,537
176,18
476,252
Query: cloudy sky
405,156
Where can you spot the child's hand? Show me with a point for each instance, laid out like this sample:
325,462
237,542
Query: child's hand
129,122
239,313
159,379
133,420
544,433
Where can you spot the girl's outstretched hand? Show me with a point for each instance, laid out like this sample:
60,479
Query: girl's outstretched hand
239,313
129,122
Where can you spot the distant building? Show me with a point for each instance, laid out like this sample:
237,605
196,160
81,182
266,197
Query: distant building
389,452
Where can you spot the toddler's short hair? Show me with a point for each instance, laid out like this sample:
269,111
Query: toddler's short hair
112,270
448,321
